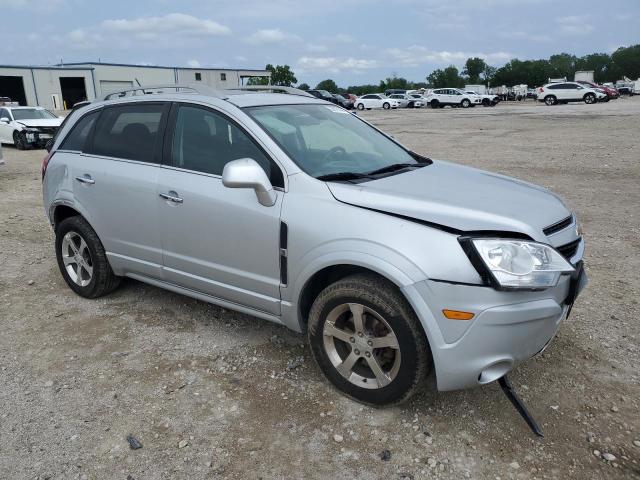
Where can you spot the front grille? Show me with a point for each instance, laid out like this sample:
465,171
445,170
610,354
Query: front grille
569,250
50,130
556,227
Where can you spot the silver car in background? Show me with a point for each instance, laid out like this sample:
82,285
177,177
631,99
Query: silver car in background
291,209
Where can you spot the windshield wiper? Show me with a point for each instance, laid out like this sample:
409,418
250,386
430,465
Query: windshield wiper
395,167
342,176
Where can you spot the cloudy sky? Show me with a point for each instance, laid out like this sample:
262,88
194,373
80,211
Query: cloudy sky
351,41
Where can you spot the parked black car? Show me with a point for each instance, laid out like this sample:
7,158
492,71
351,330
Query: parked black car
324,95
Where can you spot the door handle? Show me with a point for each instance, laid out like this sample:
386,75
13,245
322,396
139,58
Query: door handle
172,197
86,179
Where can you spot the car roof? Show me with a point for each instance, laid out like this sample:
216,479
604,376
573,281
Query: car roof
22,107
240,99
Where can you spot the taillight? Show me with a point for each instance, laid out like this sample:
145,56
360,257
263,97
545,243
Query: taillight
45,163
541,90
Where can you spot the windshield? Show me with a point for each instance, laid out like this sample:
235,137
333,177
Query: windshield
31,114
324,139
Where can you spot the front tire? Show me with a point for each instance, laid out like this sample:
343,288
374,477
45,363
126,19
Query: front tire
589,98
367,340
486,102
82,259
386,106
465,103
19,140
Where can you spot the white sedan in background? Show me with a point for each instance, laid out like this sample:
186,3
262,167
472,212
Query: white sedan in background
27,127
407,101
376,100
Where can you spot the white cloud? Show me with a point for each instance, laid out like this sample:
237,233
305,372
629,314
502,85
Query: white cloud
417,55
173,23
575,25
193,63
271,36
335,64
34,5
316,48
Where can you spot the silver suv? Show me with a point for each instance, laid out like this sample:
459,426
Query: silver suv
292,209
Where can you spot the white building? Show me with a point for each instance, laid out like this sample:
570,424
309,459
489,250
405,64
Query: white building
60,87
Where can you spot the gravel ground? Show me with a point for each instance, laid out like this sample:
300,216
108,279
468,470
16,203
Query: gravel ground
210,393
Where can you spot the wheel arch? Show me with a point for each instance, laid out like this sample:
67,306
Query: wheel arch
326,273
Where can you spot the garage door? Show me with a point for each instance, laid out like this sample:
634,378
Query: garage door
110,86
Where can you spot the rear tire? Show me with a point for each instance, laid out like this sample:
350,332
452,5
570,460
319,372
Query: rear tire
434,103
82,259
360,106
348,319
550,100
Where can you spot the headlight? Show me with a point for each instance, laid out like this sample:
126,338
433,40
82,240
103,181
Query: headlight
516,264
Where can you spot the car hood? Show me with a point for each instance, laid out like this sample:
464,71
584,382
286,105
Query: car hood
41,122
459,198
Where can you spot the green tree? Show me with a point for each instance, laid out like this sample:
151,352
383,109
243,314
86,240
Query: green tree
395,82
563,65
449,77
281,75
625,62
304,86
474,68
328,85
362,89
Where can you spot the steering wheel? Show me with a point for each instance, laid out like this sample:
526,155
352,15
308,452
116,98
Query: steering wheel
332,152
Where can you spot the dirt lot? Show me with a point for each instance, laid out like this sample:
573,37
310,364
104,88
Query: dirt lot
215,394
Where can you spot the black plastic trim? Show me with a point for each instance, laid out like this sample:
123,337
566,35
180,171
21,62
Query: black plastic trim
284,241
558,226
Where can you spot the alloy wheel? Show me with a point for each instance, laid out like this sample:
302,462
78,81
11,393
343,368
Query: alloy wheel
77,259
361,346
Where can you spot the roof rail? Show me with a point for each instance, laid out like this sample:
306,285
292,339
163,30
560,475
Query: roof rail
155,89
270,88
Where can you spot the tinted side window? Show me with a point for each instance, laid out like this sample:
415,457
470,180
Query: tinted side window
554,87
129,131
79,133
205,141
4,113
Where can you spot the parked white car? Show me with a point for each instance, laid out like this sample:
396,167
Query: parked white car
376,100
407,101
27,127
564,92
487,100
441,97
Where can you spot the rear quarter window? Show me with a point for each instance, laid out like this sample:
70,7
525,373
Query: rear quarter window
77,137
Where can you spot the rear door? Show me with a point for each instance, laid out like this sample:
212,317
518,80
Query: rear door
215,239
115,181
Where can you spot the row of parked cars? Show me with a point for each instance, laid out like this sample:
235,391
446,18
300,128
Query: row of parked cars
438,98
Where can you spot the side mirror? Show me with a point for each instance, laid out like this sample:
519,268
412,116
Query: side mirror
5,120
246,173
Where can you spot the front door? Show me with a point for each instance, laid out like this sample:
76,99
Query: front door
217,240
